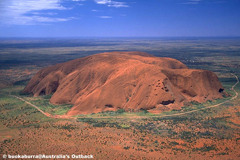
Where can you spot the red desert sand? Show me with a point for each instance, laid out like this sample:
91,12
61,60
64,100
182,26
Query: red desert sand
124,80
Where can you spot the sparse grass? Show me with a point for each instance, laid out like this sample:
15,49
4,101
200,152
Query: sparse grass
13,110
104,123
43,103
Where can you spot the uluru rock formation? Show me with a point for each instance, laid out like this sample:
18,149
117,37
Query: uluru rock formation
124,80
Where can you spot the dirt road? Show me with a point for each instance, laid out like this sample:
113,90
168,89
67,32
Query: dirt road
45,113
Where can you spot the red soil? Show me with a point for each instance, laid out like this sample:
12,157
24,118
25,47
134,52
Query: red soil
128,80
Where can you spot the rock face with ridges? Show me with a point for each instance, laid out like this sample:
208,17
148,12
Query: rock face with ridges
124,80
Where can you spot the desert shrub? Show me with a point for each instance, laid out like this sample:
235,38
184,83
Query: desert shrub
99,123
111,113
178,149
47,96
217,123
205,134
35,125
21,93
238,114
144,111
124,126
173,143
172,133
87,120
223,153
68,127
7,141
205,148
120,111
127,147
187,135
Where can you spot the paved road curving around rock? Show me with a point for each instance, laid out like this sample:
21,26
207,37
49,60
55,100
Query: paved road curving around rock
135,117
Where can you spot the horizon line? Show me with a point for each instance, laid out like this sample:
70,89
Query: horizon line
80,37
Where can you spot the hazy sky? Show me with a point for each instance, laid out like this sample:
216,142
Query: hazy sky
125,18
